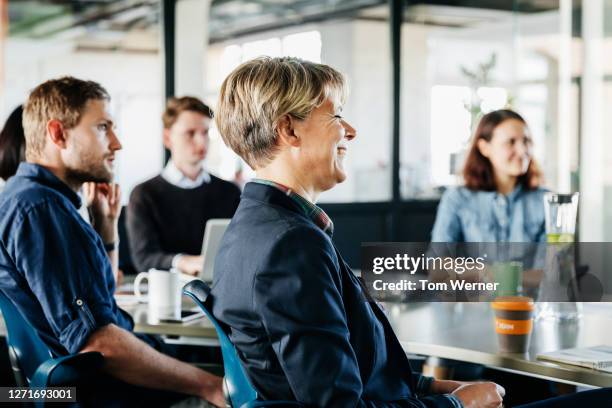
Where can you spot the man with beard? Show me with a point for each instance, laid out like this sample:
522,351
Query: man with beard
58,270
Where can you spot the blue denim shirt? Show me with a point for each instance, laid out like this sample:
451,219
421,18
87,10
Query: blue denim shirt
53,264
486,216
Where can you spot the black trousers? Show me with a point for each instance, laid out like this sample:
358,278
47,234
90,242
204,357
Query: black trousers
600,398
102,390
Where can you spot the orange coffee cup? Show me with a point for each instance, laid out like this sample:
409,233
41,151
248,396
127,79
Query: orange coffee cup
513,322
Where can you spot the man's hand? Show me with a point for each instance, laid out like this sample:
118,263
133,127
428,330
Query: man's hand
119,278
480,395
190,264
213,392
445,386
104,201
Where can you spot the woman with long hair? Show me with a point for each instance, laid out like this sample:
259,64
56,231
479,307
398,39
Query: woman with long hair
501,200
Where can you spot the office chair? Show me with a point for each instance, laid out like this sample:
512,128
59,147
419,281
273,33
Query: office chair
31,360
239,391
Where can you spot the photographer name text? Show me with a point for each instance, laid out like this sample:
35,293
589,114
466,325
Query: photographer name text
425,285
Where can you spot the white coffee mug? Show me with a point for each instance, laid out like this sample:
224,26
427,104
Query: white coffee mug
164,296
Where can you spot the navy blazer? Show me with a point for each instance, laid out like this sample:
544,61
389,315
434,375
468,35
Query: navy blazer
303,327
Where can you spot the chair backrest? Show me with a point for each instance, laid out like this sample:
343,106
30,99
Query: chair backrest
239,387
26,350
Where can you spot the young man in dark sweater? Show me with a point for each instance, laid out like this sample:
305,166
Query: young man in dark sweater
167,214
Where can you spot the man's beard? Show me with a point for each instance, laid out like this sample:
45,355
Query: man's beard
94,174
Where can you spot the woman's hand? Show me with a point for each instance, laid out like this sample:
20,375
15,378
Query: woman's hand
480,395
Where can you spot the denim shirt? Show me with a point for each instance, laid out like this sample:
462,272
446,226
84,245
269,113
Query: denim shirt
486,216
53,265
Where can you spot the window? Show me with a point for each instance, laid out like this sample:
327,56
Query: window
306,45
455,111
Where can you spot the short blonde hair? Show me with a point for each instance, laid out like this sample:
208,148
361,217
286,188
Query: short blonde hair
260,92
176,106
63,99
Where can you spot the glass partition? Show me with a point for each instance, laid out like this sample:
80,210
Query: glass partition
355,42
462,62
549,60
114,44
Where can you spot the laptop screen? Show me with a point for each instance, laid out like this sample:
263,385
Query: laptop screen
215,228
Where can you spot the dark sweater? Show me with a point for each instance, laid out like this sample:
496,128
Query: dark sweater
164,220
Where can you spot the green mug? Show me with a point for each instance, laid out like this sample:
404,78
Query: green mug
509,277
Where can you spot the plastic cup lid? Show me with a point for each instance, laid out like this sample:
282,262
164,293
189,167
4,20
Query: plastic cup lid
513,303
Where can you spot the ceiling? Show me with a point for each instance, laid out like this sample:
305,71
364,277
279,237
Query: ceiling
134,24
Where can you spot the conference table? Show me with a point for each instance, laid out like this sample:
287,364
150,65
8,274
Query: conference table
196,332
466,332
457,331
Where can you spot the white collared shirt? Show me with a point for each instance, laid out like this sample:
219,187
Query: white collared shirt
173,175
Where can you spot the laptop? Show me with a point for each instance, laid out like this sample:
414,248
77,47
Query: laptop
213,232
215,228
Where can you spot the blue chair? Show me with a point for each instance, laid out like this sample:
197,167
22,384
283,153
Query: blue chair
239,390
33,363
